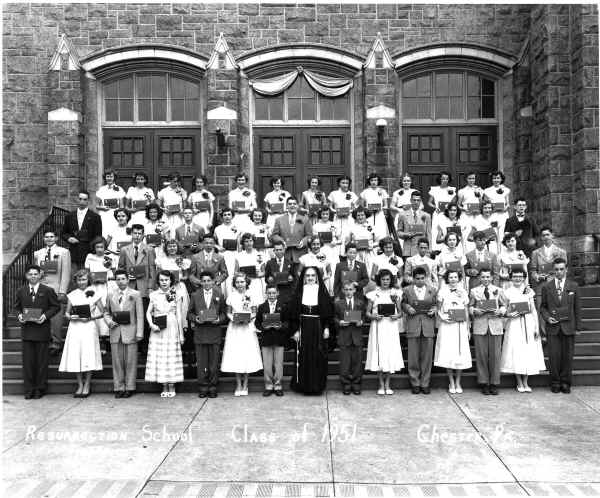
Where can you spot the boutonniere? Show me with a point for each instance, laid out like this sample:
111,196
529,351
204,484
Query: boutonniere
128,230
379,193
499,191
369,228
321,257
299,220
348,197
401,191
394,260
394,297
477,193
246,193
234,230
130,297
147,195
157,229
217,299
521,255
55,256
281,197
115,188
171,294
205,195
262,230
178,260
107,262
319,196
89,293
451,191
423,218
495,293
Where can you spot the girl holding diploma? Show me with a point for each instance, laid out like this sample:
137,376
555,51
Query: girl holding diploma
203,216
108,198
375,200
138,197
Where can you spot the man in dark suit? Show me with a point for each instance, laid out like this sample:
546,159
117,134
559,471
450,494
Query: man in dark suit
561,310
293,229
280,264
419,301
349,337
273,337
80,228
207,333
357,270
35,333
524,227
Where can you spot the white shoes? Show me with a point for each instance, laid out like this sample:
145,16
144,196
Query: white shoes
380,391
237,392
164,394
521,389
458,390
527,389
452,390
389,391
244,392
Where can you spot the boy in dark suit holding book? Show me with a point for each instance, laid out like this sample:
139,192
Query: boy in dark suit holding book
279,271
274,334
349,317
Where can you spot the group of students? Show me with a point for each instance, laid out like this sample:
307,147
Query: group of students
155,272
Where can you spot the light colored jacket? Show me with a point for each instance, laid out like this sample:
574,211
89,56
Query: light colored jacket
481,323
132,302
58,281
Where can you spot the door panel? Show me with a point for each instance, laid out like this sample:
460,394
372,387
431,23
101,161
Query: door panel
127,152
177,150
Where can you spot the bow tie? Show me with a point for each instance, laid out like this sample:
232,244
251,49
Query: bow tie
453,290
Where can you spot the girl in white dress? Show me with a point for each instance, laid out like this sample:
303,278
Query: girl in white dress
522,352
203,216
249,256
384,354
333,249
109,197
317,258
451,217
172,199
260,231
470,194
511,258
313,197
388,260
164,362
241,352
499,193
452,350
138,197
276,196
450,254
178,266
401,197
99,261
242,200
363,230
483,222
440,196
156,224
227,231
343,197
81,353
120,234
375,200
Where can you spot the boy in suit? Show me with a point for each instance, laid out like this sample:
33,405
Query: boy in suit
524,227
35,334
208,260
349,337
55,262
207,334
478,258
273,339
406,222
80,228
423,260
487,331
342,269
419,301
188,235
561,310
280,264
294,230
125,331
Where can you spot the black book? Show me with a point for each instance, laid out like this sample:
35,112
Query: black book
386,309
230,244
81,310
160,321
326,237
122,317
249,271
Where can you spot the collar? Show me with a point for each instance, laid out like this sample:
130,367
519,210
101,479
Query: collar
81,211
35,287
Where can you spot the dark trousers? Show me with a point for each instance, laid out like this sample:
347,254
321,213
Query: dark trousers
351,367
207,360
143,343
488,350
35,366
420,359
560,353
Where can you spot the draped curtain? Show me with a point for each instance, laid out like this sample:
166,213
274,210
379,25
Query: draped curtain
325,85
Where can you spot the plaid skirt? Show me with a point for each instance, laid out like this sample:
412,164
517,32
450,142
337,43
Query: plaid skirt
164,363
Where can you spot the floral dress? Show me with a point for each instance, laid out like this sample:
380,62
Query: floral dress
377,219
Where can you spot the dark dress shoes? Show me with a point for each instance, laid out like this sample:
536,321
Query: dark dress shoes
356,390
565,389
416,389
28,395
267,392
494,390
346,391
119,394
278,392
212,394
128,394
202,394
555,389
426,390
485,389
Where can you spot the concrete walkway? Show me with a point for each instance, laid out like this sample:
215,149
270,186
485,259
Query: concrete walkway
331,445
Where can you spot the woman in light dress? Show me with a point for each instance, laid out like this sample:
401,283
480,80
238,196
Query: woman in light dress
120,234
250,257
276,196
172,261
241,352
344,198
375,199
499,193
164,363
81,353
227,231
401,197
511,258
108,198
384,354
451,217
452,350
363,230
471,193
333,249
262,234
203,216
522,352
138,197
313,198
172,199
99,261
485,221
241,201
156,224
440,196
317,258
388,260
449,256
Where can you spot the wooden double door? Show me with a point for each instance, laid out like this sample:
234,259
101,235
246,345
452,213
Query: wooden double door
154,151
427,150
295,154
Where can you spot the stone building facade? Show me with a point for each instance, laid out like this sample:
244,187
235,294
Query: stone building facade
386,88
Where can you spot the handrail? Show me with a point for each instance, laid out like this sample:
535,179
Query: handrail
14,274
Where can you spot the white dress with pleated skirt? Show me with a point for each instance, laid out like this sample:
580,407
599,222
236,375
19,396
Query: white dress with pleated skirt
164,362
452,348
522,353
241,351
384,353
81,352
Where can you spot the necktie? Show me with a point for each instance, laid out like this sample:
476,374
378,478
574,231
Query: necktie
559,289
415,215
189,230
120,297
350,303
135,252
31,292
280,264
292,220
486,292
49,254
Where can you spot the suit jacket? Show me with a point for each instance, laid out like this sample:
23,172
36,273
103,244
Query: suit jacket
340,272
47,301
271,267
530,231
60,280
482,323
214,264
490,260
90,229
538,259
272,337
196,235
569,301
405,219
145,257
207,333
282,231
132,302
350,335
421,322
